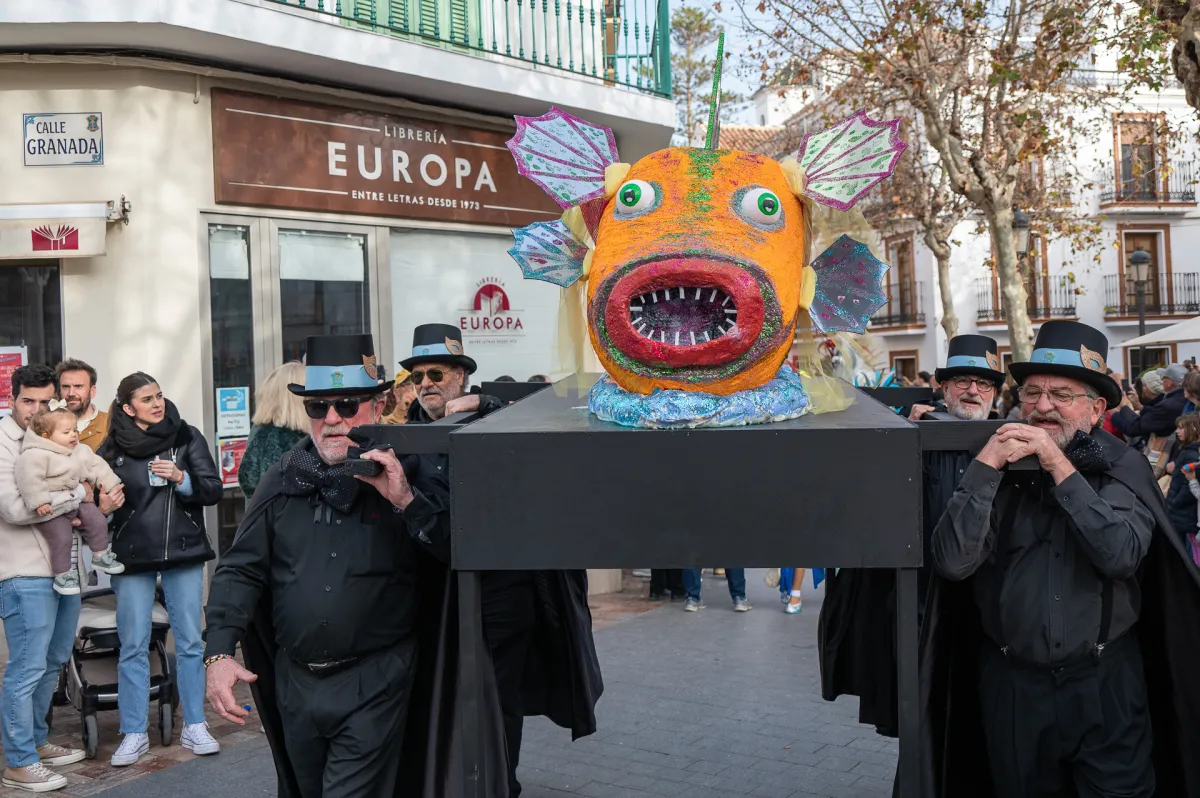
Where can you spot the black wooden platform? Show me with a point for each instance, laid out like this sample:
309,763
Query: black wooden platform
542,484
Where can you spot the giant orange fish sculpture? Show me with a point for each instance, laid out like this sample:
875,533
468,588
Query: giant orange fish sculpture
697,263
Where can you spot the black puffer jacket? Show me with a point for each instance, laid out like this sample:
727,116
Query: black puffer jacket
157,528
1181,504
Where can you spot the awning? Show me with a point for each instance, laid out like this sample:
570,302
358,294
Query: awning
70,230
1179,333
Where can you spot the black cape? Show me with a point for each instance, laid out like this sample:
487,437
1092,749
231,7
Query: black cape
954,759
454,739
856,632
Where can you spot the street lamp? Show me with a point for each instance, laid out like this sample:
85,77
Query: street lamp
1139,266
1020,226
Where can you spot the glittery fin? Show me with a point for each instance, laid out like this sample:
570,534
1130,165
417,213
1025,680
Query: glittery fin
563,154
549,251
848,290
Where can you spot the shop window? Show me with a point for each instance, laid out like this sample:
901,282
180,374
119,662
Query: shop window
233,354
31,310
323,287
1157,357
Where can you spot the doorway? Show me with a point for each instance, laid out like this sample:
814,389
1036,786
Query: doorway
1155,299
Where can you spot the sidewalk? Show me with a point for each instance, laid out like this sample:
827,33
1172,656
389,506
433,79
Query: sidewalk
705,705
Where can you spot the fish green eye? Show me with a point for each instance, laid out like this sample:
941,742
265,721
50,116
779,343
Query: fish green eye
635,198
759,206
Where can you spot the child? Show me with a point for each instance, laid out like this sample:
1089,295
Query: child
1181,503
51,459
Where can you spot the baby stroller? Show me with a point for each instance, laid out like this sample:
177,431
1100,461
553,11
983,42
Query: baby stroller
91,678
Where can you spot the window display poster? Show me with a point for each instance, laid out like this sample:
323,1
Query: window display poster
233,412
230,453
11,359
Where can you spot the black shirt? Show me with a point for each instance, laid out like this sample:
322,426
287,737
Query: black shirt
1043,596
339,584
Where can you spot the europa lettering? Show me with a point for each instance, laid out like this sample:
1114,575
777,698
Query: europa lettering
432,170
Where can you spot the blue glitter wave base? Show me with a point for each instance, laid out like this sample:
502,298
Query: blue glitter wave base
778,400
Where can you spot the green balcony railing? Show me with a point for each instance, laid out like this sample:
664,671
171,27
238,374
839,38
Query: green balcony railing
619,42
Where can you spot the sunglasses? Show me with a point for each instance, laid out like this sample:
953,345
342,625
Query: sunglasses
345,407
435,376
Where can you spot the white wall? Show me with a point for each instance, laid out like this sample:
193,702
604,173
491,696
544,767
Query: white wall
137,307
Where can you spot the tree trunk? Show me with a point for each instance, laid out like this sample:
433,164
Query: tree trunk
1186,56
1012,286
941,251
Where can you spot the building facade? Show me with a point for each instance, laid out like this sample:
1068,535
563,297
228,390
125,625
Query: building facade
191,189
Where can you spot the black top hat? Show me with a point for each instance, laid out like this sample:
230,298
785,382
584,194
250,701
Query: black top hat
972,355
438,343
1071,349
340,365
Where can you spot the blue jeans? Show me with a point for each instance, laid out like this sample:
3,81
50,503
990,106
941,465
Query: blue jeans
39,626
184,592
735,577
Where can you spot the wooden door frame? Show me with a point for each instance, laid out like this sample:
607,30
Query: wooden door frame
1160,120
1164,245
1174,356
902,238
915,354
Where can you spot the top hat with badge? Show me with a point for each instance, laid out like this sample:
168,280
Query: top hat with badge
438,343
1071,349
973,356
341,365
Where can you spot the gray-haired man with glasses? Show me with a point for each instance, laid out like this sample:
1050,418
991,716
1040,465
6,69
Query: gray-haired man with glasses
1050,602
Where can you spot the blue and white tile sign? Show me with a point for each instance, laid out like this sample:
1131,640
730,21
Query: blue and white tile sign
75,139
233,412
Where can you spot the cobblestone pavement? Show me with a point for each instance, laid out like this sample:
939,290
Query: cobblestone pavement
704,705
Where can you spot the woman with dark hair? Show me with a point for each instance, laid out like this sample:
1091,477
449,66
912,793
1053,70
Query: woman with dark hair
169,478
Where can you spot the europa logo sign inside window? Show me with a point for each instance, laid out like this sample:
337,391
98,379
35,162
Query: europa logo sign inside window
74,139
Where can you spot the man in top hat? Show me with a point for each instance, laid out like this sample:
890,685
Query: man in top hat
333,592
1063,610
858,615
537,624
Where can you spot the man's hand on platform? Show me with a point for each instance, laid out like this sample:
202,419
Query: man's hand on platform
998,452
918,411
391,482
463,404
220,678
1031,440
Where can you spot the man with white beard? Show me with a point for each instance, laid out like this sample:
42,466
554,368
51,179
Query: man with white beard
970,380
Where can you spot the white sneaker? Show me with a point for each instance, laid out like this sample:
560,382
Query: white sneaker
196,739
133,748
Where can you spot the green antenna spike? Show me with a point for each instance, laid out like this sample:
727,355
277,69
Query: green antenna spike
714,108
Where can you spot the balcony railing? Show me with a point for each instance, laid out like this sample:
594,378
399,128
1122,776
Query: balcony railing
621,42
1169,294
905,306
1056,303
1159,185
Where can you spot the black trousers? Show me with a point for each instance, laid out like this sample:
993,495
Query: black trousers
344,732
509,617
1080,730
667,580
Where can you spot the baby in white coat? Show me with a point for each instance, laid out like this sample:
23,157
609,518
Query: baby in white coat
51,459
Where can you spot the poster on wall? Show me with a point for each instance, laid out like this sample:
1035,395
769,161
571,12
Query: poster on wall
230,453
233,412
11,359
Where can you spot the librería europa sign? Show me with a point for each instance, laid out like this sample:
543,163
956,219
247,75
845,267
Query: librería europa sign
289,154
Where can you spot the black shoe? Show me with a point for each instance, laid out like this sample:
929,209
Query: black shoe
658,596
678,595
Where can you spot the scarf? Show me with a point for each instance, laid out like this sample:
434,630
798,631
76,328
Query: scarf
130,440
306,474
1086,454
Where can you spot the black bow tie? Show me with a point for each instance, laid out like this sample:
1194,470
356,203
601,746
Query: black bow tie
305,474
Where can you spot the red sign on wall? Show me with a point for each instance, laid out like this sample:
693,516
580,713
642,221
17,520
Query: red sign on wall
11,359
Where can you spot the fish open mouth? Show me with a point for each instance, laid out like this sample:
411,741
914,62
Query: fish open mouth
679,311
684,316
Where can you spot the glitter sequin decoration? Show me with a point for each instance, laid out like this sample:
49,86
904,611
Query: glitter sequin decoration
848,287
780,399
550,252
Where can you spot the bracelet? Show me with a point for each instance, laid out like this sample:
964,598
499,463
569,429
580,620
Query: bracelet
216,657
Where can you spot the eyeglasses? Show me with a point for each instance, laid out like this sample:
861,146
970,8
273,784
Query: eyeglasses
981,385
435,376
346,407
1031,395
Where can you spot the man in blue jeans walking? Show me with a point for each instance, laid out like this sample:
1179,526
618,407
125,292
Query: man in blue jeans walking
39,624
736,579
